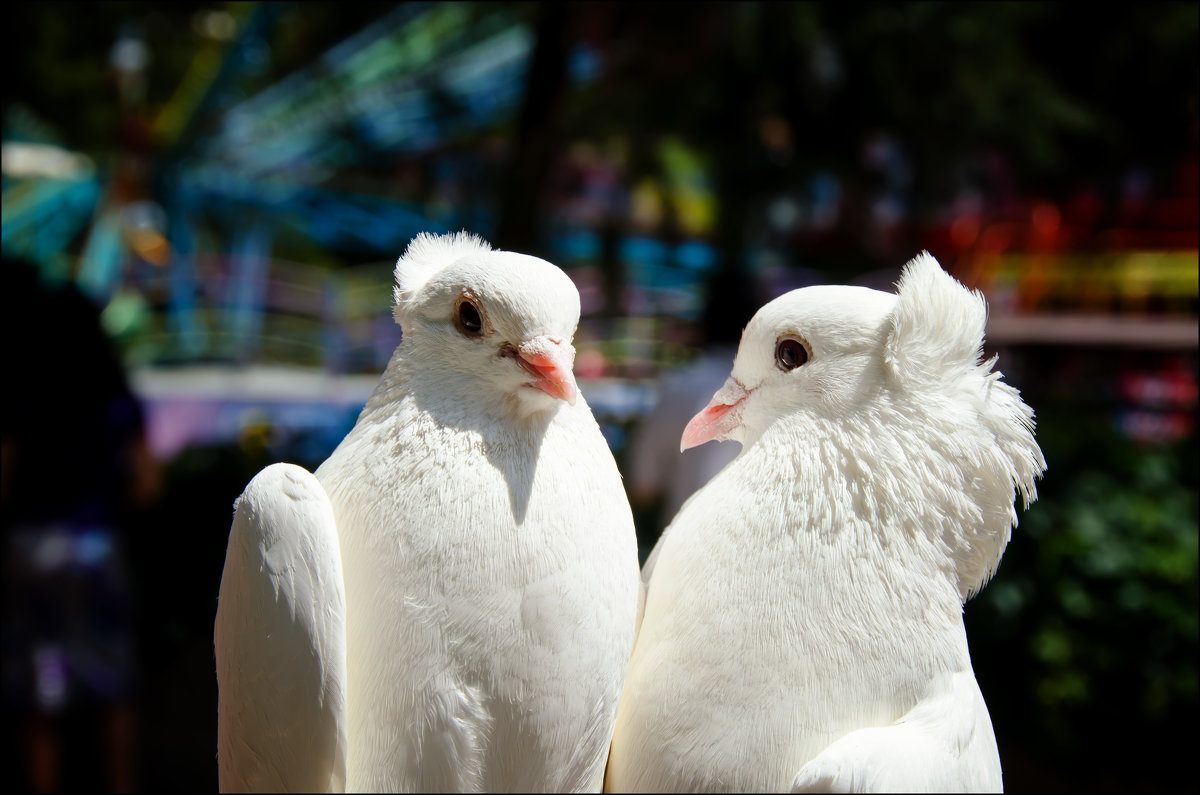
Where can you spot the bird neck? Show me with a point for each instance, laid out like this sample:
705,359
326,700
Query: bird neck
918,493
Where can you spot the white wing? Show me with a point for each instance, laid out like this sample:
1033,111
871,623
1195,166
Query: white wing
943,744
280,639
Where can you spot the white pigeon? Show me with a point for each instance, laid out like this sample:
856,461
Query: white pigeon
475,522
803,624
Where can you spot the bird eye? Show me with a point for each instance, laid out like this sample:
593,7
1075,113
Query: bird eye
468,318
790,353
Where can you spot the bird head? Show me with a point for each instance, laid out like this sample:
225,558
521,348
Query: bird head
811,350
501,323
896,386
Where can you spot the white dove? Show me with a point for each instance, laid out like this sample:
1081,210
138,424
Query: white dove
476,523
803,624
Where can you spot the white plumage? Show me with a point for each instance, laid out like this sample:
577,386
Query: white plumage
487,558
803,621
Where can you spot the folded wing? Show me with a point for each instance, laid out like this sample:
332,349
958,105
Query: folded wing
280,640
943,744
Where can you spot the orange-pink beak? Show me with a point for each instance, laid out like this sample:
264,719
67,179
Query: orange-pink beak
719,418
549,360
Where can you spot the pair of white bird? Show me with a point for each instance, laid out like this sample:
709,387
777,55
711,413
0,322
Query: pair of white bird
453,602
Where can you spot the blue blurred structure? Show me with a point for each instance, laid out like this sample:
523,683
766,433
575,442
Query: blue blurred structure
50,195
283,162
182,245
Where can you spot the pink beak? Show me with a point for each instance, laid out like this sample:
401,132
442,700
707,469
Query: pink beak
549,361
719,418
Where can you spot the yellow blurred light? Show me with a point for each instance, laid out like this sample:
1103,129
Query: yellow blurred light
151,246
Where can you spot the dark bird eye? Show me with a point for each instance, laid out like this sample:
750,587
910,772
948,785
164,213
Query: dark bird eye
790,353
467,318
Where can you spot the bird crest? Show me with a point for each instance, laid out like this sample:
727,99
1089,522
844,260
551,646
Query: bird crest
934,347
425,256
937,325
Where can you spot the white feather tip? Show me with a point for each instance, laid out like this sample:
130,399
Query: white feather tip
427,254
938,324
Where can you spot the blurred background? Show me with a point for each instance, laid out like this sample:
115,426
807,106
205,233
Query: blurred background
203,202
